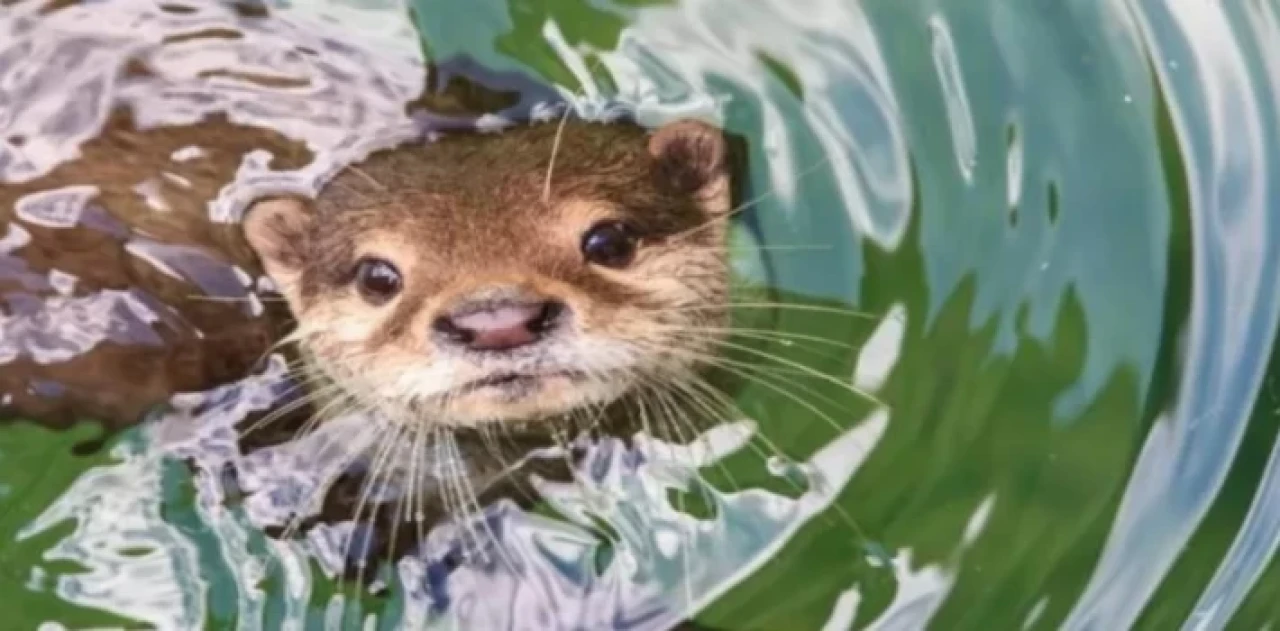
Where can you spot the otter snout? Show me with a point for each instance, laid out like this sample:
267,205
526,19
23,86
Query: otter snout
499,324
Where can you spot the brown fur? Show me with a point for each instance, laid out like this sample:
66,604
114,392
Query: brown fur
456,216
467,215
114,383
425,198
117,383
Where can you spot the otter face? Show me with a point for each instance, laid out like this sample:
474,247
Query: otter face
461,282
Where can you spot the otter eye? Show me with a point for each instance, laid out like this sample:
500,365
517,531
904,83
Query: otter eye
377,280
610,243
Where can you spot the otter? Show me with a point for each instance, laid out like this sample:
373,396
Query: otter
555,278
510,278
105,263
550,279
510,291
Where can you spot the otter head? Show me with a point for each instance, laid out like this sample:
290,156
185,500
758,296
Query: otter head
508,278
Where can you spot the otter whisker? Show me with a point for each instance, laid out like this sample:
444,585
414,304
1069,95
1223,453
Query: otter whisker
489,441
761,436
364,175
466,510
555,148
755,371
351,450
807,369
709,407
325,479
757,248
468,494
300,377
761,334
711,341
725,408
379,478
673,388
284,410
461,512
323,414
703,394
235,299
375,469
443,473
302,332
664,403
672,418
417,488
273,348
724,217
673,348
689,385
395,469
647,425
405,494
770,305
744,374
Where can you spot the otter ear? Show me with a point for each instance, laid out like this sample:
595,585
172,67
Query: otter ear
276,229
689,158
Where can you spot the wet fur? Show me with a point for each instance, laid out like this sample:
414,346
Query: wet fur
439,201
205,343
468,213
460,217
213,343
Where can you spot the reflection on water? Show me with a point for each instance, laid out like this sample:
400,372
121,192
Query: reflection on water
1184,460
1056,218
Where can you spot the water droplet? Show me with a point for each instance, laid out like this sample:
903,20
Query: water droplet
1128,99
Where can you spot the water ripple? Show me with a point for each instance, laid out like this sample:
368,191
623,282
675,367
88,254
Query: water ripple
848,103
1235,304
947,64
1259,537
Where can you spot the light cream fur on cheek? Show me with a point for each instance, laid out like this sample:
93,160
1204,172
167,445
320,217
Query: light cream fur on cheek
349,320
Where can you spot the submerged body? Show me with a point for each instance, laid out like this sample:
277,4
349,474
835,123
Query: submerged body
106,266
572,298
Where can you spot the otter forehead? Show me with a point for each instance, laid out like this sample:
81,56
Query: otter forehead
466,179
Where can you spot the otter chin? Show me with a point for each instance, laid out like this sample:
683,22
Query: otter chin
541,273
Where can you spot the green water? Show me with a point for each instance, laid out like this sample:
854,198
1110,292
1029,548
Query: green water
1045,330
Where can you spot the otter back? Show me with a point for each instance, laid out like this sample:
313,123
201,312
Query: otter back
116,290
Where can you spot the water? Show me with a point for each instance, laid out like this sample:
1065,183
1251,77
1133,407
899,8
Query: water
1057,217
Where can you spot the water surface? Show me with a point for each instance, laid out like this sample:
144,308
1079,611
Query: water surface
1056,221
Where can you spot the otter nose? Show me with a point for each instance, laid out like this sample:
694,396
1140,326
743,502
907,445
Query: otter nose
499,326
